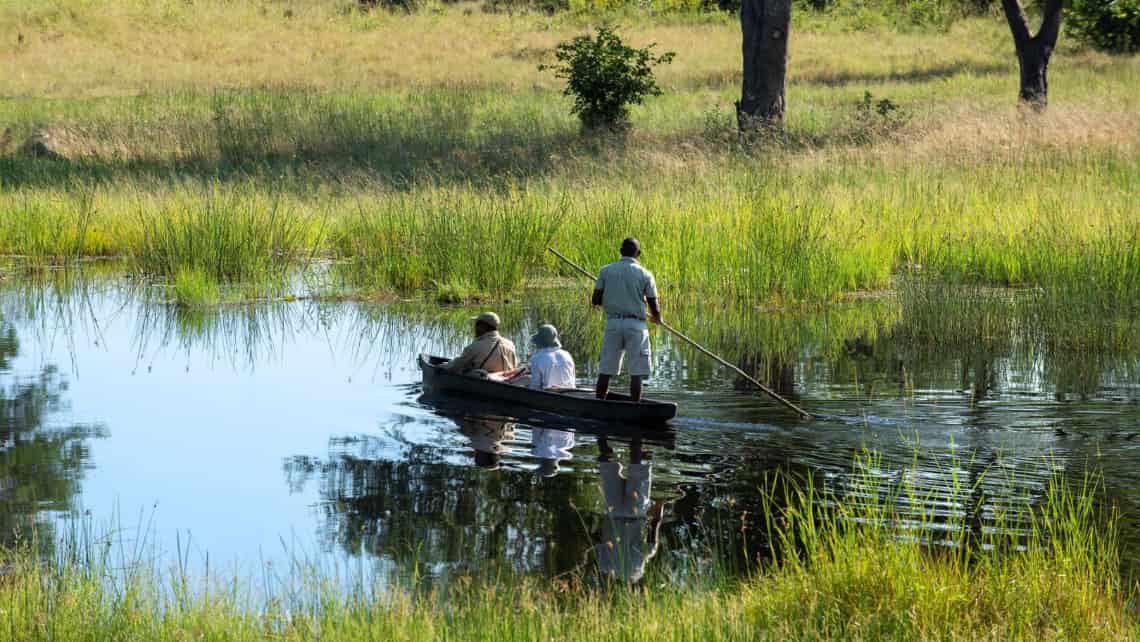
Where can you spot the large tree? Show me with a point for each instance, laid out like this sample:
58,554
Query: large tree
1033,51
765,25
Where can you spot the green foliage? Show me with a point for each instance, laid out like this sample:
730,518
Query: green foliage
875,118
1109,25
400,5
889,13
873,562
225,237
455,243
605,77
548,7
193,287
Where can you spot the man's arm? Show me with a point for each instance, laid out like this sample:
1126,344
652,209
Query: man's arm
465,360
599,287
536,382
654,310
650,293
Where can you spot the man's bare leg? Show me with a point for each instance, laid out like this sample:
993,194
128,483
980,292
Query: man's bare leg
603,387
635,388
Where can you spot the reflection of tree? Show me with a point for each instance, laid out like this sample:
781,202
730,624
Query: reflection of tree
421,509
40,467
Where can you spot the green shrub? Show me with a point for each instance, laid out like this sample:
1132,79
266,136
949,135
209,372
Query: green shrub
406,5
549,7
1108,25
605,77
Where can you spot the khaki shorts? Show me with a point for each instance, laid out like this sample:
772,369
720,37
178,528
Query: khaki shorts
628,338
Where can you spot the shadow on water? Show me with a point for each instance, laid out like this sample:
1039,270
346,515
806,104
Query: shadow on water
968,413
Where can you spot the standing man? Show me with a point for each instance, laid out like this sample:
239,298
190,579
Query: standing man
624,289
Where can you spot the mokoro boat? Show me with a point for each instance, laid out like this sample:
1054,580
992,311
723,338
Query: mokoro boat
571,403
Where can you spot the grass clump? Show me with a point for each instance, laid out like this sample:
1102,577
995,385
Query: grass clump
864,563
225,238
451,241
881,562
192,287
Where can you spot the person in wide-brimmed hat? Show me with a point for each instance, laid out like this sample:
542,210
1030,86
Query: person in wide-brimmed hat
551,367
490,352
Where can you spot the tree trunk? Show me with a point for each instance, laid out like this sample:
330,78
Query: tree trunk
1033,51
765,25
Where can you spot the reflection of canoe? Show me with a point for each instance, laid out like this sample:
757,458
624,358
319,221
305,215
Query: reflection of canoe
572,403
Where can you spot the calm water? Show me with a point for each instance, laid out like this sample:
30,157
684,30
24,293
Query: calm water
258,434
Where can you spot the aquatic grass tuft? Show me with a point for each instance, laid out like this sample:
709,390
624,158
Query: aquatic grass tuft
192,287
222,236
447,238
857,561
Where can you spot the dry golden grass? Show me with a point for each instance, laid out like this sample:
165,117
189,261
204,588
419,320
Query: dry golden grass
69,48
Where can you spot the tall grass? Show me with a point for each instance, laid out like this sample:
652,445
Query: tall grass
867,567
453,183
222,236
447,240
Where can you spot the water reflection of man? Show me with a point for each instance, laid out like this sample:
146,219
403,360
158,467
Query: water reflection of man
632,523
487,437
551,446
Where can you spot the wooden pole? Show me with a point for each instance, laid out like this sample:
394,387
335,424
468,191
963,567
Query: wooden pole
703,350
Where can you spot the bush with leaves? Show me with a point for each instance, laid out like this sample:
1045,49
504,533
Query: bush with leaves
605,77
1109,25
391,5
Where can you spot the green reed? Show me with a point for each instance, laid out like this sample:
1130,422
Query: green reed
453,188
447,240
221,237
859,561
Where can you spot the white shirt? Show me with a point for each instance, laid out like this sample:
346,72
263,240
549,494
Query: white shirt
551,443
625,285
552,368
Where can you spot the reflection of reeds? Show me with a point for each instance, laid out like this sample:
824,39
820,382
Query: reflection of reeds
926,335
862,567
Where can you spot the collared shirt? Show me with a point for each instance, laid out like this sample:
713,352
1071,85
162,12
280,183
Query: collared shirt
625,285
484,353
552,368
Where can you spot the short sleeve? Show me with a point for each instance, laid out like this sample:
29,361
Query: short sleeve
600,282
650,286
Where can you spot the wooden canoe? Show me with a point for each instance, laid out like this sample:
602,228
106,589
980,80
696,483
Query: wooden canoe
570,403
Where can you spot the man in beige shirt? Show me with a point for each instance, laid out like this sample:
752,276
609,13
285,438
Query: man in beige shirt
490,351
624,289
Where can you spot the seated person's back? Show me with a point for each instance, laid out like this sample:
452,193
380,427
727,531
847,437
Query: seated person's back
551,367
490,351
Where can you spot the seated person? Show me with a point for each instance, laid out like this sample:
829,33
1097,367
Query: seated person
489,353
551,367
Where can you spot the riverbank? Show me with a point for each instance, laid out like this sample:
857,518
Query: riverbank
454,186
864,571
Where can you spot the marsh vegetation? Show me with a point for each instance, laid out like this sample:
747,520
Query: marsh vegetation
909,237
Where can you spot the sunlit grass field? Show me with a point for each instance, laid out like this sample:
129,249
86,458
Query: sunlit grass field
317,131
223,147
